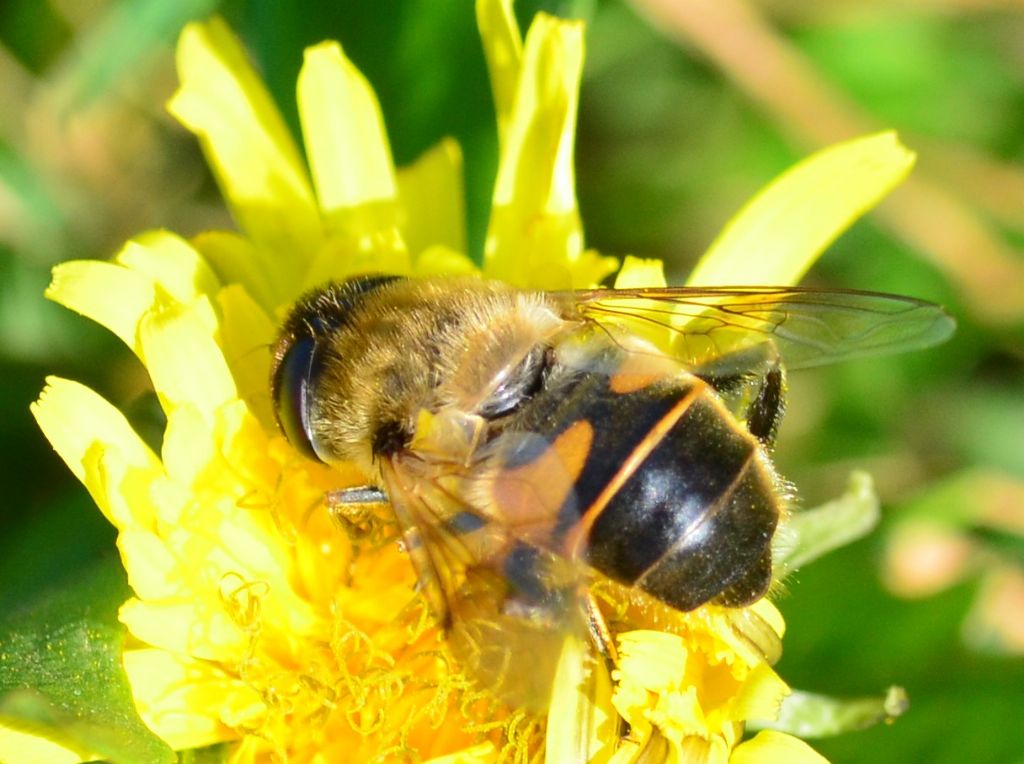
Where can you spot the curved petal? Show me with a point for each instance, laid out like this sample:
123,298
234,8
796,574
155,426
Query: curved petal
152,569
484,753
344,133
172,263
247,144
154,268
761,695
341,257
441,261
770,747
503,48
85,286
591,268
582,724
431,191
183,700
246,331
779,234
120,488
186,625
237,261
183,360
535,235
84,428
637,273
19,742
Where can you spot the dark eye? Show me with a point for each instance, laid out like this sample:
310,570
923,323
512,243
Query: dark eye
293,398
519,385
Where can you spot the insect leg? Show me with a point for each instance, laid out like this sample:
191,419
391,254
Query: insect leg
365,494
600,634
752,384
359,511
757,397
766,409
604,643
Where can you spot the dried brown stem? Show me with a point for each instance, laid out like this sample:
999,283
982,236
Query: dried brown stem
927,215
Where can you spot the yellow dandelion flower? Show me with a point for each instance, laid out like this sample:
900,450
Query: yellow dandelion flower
254,619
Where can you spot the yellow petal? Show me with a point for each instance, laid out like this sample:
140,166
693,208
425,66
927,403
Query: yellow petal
120,489
534,235
172,263
761,695
184,700
22,743
637,273
503,48
441,261
654,660
188,448
184,361
246,331
247,144
484,753
779,234
591,268
149,564
582,723
236,261
537,166
155,268
344,132
766,610
253,455
431,194
342,257
189,626
87,286
770,747
81,425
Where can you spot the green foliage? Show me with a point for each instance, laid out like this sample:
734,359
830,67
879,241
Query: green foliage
61,673
846,636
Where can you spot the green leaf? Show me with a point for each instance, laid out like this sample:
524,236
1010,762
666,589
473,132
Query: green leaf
34,33
72,532
213,754
61,676
808,715
815,532
34,217
125,40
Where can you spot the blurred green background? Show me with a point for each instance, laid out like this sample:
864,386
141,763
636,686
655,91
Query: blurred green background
688,108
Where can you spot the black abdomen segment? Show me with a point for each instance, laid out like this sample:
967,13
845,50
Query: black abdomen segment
673,497
694,521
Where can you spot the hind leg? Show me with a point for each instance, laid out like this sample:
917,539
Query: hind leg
769,404
757,398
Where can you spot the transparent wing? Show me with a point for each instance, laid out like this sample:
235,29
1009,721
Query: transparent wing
719,328
504,603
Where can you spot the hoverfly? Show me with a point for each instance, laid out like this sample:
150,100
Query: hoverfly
533,443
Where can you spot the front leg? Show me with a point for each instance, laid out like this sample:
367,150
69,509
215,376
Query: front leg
362,512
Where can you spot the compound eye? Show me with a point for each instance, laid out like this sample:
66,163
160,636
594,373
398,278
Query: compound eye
293,396
521,383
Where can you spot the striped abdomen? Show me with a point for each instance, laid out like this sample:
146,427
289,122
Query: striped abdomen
657,487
